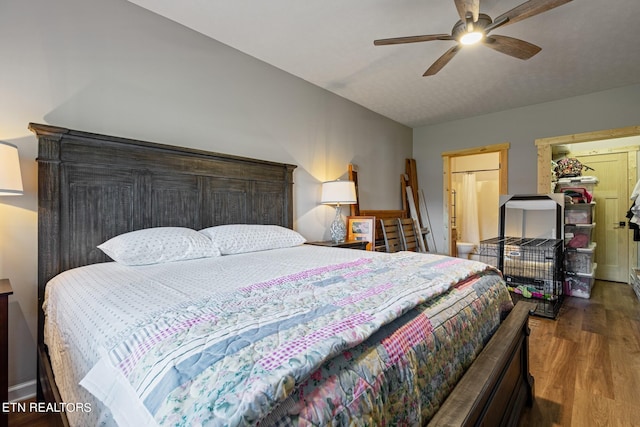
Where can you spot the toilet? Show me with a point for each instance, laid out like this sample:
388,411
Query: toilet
465,249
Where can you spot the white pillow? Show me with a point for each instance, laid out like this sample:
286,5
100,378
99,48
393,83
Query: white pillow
160,244
241,238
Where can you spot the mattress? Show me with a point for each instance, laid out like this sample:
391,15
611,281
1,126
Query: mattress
299,336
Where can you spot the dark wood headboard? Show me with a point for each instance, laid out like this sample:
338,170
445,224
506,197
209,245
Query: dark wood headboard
92,187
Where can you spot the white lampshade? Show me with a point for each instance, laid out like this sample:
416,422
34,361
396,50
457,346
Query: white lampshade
338,193
10,178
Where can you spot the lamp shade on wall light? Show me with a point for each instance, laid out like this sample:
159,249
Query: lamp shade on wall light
338,193
10,178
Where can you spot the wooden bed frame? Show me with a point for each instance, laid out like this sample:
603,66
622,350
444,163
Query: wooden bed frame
92,187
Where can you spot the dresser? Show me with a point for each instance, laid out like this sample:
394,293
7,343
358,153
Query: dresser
5,291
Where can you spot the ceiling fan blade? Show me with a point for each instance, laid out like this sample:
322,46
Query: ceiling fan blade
442,61
495,24
530,8
468,6
513,47
412,39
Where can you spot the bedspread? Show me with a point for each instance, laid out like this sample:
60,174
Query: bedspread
327,345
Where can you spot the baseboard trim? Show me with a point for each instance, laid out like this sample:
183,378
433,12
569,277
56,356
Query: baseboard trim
22,391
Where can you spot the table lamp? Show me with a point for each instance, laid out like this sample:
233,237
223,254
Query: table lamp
338,193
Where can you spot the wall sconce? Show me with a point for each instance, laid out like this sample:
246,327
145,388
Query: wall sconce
338,193
10,178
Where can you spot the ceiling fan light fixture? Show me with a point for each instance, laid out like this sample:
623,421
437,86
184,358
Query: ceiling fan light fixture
471,38
474,27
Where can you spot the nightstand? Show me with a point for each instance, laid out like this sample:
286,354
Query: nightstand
351,244
5,291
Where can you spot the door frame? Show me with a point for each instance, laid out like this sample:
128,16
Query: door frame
544,146
447,156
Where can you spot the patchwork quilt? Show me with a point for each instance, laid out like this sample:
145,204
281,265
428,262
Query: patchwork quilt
371,341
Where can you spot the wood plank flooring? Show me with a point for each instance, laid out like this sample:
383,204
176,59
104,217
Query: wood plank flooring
586,364
30,419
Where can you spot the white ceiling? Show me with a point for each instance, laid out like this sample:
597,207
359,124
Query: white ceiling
587,46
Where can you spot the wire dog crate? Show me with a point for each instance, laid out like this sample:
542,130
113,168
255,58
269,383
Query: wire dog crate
531,267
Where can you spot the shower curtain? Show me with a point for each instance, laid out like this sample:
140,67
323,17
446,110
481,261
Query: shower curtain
470,228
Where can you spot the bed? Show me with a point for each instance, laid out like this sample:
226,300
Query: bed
349,346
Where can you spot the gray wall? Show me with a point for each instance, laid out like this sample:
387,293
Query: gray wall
111,67
521,127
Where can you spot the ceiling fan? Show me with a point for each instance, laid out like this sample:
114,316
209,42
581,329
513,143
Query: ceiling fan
474,27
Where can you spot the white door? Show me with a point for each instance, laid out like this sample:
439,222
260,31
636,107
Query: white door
612,203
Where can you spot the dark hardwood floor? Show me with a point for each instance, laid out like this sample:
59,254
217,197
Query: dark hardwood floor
586,364
29,419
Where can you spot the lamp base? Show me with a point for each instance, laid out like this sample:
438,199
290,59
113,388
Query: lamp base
338,228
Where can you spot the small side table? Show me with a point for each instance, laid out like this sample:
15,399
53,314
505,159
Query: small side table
5,291
351,244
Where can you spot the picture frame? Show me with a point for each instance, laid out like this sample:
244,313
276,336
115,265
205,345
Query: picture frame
362,228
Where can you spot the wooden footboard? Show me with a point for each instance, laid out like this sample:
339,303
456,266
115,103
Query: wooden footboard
496,387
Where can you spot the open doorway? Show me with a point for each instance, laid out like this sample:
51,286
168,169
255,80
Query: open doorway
614,155
493,176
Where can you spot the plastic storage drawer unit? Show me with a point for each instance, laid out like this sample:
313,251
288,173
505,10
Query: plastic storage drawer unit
578,235
579,260
579,213
580,284
587,182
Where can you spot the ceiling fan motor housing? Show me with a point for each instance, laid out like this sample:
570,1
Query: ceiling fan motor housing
460,28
